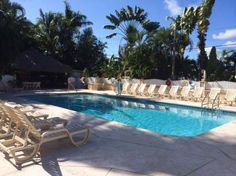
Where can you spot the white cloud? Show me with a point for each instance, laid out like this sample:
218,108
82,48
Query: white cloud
227,34
230,44
173,7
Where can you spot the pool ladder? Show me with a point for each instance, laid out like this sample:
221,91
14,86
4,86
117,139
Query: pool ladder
214,113
215,105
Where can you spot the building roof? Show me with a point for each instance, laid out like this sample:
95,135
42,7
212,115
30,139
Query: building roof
33,60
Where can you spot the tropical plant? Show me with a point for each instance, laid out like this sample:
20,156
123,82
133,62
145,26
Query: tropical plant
56,33
69,26
140,61
127,22
135,29
47,33
229,62
186,68
15,32
89,51
113,68
181,28
212,65
85,73
203,13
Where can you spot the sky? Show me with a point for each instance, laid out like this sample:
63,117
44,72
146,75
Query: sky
221,33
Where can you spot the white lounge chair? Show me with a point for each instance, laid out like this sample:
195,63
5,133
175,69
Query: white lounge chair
230,96
184,92
173,91
125,88
141,89
29,111
150,90
26,139
213,98
161,91
133,88
197,93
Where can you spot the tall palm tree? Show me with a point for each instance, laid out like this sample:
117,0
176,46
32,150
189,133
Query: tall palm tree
181,29
203,14
69,25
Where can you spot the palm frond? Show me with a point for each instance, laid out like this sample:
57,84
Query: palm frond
111,27
111,35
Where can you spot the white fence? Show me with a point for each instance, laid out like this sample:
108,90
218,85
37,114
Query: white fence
220,84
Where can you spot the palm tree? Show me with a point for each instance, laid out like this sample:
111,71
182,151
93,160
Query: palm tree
128,22
203,13
15,32
11,9
181,29
47,33
69,25
56,33
133,27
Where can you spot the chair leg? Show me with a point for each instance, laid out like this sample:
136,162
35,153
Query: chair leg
26,158
80,142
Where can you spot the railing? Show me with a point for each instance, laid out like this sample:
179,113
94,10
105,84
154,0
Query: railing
215,103
31,85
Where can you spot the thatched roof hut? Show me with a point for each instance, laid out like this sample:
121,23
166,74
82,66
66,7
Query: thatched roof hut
34,66
35,61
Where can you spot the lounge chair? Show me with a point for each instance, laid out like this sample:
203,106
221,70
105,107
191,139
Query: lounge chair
230,96
37,118
133,88
125,88
141,89
173,91
27,139
30,111
212,98
6,124
161,91
197,94
184,92
26,108
150,90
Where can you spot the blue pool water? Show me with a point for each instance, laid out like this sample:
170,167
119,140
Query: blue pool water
158,117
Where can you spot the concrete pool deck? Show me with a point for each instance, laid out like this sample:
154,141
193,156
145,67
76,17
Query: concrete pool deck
115,149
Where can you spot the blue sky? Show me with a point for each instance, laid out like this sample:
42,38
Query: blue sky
222,30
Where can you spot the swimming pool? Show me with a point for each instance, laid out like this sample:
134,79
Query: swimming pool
158,117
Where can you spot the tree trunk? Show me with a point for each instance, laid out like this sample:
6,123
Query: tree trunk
202,55
173,65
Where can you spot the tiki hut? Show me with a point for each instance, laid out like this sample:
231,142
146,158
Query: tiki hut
34,66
